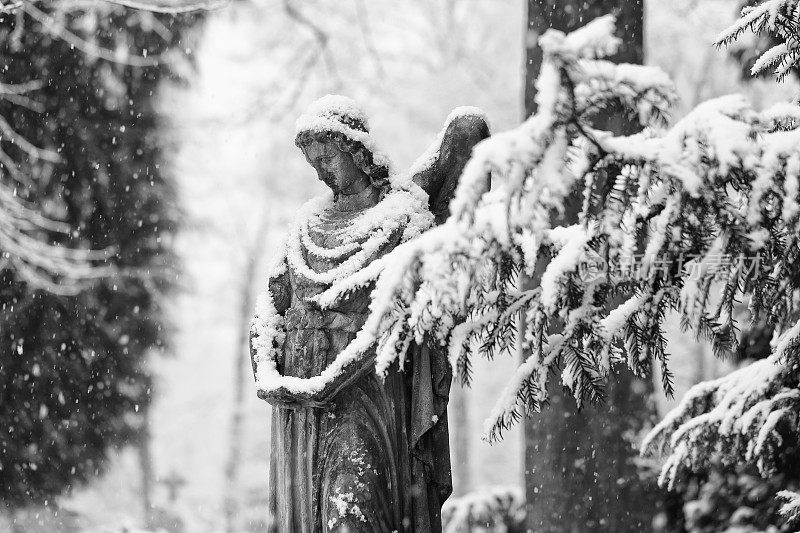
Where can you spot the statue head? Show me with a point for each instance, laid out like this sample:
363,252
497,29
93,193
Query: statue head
334,136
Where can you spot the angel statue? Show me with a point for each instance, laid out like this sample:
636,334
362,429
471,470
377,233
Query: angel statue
353,450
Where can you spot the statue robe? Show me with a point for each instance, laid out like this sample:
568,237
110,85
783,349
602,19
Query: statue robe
376,459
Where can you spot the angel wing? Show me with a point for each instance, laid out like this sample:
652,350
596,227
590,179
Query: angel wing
438,170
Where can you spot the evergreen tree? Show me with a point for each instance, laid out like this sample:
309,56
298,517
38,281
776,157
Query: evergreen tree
73,378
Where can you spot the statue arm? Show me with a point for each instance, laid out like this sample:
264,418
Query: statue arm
300,400
280,291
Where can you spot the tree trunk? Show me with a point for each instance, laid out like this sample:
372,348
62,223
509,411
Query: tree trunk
143,442
580,466
458,409
568,15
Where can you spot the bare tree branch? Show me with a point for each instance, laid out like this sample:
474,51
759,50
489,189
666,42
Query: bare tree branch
171,6
53,27
25,247
366,34
55,268
318,33
8,7
25,145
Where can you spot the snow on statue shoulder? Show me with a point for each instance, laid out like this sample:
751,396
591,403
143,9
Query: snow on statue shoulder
370,452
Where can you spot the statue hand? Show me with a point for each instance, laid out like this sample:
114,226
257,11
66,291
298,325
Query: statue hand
351,373
290,400
286,399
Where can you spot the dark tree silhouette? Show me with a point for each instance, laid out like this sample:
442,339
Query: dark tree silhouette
73,378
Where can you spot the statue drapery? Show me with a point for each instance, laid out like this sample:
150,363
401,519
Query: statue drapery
352,450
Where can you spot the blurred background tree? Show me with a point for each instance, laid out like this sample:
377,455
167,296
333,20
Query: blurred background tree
73,374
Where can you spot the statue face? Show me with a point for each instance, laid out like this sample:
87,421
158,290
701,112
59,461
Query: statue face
336,168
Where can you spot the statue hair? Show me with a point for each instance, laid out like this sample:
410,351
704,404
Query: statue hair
362,156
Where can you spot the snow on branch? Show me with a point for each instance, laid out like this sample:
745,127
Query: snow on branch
26,246
791,507
171,6
748,414
486,509
671,218
778,18
155,6
53,267
647,92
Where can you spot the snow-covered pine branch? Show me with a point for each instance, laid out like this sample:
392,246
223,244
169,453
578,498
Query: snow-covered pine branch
486,509
689,218
777,18
749,415
791,506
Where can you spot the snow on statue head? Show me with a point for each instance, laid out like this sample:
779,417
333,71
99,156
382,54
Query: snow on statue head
337,122
340,111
